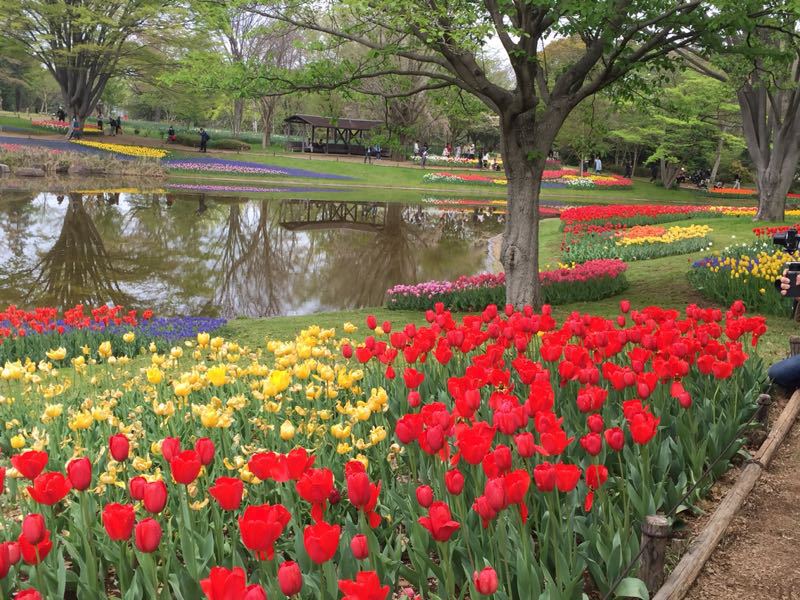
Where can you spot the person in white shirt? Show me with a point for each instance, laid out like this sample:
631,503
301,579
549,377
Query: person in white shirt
598,164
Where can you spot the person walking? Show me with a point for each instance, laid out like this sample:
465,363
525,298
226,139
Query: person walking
424,156
118,126
416,149
171,134
737,182
204,137
112,126
74,132
100,124
598,165
628,170
368,155
653,172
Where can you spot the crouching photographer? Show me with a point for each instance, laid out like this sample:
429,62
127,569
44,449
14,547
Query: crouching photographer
786,373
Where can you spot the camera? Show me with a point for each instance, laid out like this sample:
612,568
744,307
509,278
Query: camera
788,239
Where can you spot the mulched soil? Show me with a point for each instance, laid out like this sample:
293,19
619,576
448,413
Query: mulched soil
759,556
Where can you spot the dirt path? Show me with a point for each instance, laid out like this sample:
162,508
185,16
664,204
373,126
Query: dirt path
759,557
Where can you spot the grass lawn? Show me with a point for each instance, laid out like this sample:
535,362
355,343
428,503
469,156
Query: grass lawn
661,281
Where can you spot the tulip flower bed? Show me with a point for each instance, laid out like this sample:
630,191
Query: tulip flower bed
45,333
63,126
746,192
639,242
124,149
252,189
592,280
746,271
545,212
240,167
550,178
503,453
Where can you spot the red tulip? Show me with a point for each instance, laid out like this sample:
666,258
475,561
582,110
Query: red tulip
28,594
592,443
13,552
2,479
372,322
359,489
185,466
526,444
33,554
643,426
147,535
414,399
596,475
425,496
33,528
485,581
118,520
545,477
5,561
615,438
224,584
347,350
290,579
366,586
359,546
624,306
595,423
321,541
567,477
227,491
136,487
315,486
439,522
155,496
119,446
79,471
474,442
205,450
49,488
30,463
413,378
170,446
454,482
516,485
261,526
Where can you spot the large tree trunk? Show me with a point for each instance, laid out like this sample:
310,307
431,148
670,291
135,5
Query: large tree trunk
525,147
669,173
266,107
238,112
771,127
717,159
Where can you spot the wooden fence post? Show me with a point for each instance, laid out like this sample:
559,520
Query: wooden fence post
794,344
656,532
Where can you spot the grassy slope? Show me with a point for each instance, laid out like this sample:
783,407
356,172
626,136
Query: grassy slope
661,281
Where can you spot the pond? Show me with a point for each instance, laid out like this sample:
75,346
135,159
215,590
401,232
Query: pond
200,254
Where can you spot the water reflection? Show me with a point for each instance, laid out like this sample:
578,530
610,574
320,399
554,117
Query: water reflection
200,254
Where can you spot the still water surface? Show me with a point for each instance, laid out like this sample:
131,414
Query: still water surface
205,255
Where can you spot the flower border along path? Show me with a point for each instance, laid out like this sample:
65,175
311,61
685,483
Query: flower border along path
240,167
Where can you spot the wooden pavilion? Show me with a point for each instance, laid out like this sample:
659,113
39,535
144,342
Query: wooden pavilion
342,136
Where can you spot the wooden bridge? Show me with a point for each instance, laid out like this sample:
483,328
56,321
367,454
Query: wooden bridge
309,215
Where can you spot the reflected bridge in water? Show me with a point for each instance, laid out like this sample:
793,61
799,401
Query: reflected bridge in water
310,215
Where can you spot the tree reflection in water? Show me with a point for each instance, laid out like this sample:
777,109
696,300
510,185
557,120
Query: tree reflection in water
77,268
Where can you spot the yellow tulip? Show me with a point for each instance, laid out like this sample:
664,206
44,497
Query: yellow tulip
340,431
128,337
203,339
155,375
182,389
287,430
17,442
217,375
82,420
104,349
59,353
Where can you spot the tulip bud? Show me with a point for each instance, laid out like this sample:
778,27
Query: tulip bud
485,581
525,443
33,528
147,535
119,446
79,472
136,487
386,326
13,552
359,546
595,423
205,449
414,399
425,496
624,306
170,447
334,497
347,350
495,493
155,496
372,322
454,482
615,438
290,579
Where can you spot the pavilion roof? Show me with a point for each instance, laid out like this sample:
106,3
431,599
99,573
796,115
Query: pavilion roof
334,123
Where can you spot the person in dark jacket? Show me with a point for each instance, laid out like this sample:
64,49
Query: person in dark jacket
204,137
